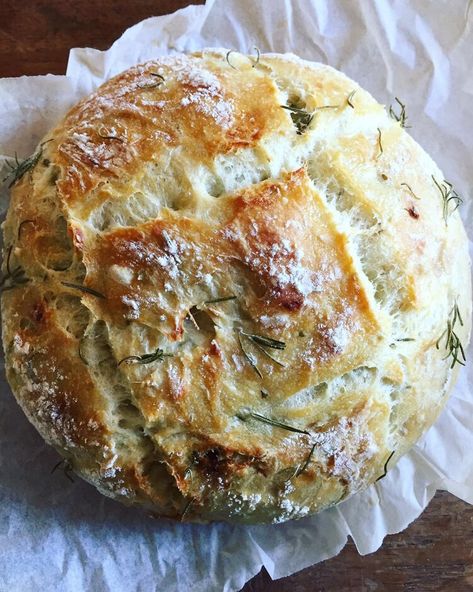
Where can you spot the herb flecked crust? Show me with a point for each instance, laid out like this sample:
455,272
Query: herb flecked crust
234,288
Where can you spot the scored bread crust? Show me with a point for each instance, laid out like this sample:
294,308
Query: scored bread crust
292,270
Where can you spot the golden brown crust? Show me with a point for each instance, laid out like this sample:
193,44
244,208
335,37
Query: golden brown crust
231,309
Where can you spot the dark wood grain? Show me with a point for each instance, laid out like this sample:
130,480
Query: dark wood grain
36,35
433,554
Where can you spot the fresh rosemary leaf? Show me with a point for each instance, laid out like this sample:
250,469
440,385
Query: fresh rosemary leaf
227,58
380,144
222,299
260,342
245,415
350,99
453,344
400,117
300,118
152,85
249,357
304,466
265,341
405,339
84,289
410,190
258,55
264,394
385,472
327,107
267,354
157,356
19,169
449,195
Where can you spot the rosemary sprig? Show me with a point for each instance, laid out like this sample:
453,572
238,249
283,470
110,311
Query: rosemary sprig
21,168
452,343
84,289
350,99
448,194
261,342
267,354
385,470
66,468
380,144
300,118
265,341
409,188
16,277
222,299
157,356
249,357
400,117
246,414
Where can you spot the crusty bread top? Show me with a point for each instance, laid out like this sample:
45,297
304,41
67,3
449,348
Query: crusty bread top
233,308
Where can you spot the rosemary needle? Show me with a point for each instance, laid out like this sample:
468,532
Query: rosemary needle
260,342
304,466
245,415
265,341
157,356
380,144
249,357
350,99
84,289
409,188
258,55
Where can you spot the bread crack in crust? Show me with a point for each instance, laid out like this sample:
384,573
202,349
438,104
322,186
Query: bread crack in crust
231,288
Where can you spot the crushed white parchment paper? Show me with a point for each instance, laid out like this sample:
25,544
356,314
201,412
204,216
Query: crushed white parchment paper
62,536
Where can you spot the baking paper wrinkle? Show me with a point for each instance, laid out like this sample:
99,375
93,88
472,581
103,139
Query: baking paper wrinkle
55,535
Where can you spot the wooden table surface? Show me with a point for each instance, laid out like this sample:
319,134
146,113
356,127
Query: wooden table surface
434,553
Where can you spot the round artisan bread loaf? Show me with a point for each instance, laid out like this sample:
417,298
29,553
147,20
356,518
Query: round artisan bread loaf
234,288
